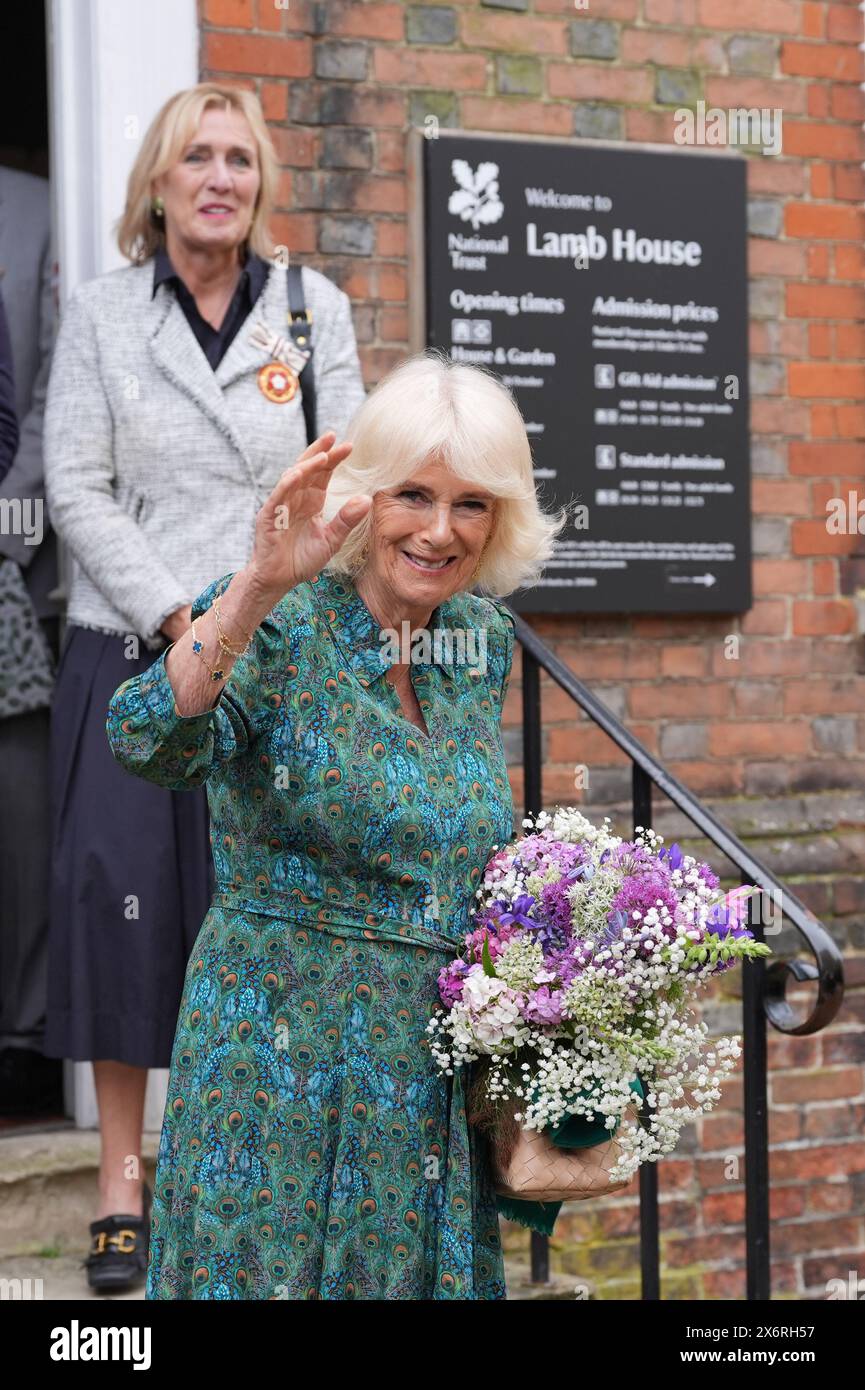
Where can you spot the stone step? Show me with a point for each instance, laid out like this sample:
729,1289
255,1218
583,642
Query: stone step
48,1188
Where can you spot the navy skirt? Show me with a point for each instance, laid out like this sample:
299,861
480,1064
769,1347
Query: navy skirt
131,875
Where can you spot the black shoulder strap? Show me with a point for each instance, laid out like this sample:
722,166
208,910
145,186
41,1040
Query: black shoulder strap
300,328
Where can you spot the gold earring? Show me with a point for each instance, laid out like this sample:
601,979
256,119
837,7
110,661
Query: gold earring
158,206
477,569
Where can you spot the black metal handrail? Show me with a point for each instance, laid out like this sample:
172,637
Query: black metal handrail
763,986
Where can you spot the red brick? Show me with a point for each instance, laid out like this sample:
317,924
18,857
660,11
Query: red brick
267,16
296,230
757,698
828,458
680,700
849,182
770,16
228,14
650,127
813,20
265,56
753,740
775,176
821,180
850,340
821,337
807,1237
793,337
837,61
584,743
846,103
391,238
654,46
849,422
777,416
596,661
818,617
390,152
513,113
768,257
392,283
823,1084
824,577
833,379
295,147
754,92
516,33
683,12
843,24
818,262
785,577
601,9
818,101
830,1196
346,19
777,497
580,83
822,696
810,139
850,262
462,72
766,618
825,302
684,661
274,101
785,658
808,220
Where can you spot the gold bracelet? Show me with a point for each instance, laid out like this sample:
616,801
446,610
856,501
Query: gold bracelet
224,643
217,674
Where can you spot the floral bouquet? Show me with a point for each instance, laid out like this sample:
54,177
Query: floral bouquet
573,991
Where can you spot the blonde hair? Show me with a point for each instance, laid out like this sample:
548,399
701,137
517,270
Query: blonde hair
139,232
429,406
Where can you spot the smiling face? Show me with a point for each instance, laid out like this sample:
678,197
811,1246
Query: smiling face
210,193
426,537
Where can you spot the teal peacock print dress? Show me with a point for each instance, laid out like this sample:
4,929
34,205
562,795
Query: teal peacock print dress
311,1148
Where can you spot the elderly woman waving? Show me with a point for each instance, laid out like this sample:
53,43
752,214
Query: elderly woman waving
180,389
310,1147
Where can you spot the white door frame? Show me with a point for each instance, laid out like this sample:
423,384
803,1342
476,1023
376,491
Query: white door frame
111,65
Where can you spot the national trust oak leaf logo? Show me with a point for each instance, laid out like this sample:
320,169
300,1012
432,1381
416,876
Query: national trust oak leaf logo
476,199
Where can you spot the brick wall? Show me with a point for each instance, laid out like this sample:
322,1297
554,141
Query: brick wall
774,738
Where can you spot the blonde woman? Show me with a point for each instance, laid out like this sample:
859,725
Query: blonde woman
311,1149
171,413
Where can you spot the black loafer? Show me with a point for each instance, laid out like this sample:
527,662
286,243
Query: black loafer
118,1255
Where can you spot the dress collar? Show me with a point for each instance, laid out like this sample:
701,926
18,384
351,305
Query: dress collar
357,631
255,268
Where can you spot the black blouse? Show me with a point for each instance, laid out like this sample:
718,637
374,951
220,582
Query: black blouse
215,342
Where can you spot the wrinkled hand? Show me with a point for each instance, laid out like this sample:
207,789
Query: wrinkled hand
293,542
177,623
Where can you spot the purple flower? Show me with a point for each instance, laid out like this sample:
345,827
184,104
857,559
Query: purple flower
673,856
517,913
544,1006
450,981
720,924
707,875
640,893
555,910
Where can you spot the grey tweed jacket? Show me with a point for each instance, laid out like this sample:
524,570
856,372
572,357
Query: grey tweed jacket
155,464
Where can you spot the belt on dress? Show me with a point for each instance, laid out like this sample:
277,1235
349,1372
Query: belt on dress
340,919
